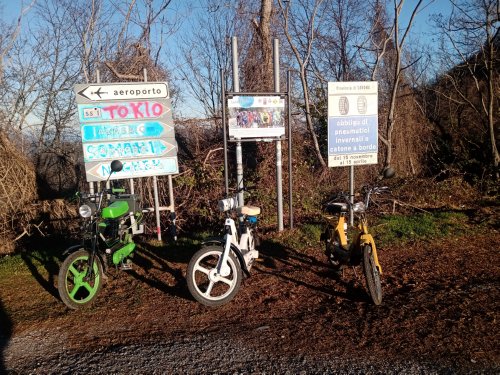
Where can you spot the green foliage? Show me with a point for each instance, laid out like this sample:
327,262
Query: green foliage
11,265
306,235
426,226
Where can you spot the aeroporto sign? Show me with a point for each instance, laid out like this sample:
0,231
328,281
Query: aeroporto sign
121,91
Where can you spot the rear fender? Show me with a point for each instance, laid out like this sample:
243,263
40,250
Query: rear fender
367,239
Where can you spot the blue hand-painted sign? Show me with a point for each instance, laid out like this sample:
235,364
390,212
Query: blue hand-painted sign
131,168
125,130
128,149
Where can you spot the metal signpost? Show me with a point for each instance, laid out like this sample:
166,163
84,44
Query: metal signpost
352,126
131,122
256,117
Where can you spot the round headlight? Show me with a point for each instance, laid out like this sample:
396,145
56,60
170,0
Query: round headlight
85,211
359,208
227,204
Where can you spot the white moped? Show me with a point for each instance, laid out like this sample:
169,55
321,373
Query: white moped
214,272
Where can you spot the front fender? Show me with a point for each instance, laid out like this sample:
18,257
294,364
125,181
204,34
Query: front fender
239,255
220,242
367,239
213,241
72,249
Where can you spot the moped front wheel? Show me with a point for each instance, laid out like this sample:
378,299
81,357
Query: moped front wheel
75,288
205,284
372,275
332,240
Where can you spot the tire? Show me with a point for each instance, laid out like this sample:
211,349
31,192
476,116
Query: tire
74,291
372,276
330,239
204,285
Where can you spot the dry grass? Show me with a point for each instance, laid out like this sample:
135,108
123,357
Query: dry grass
17,192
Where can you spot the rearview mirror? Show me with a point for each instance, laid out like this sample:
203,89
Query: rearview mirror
116,166
389,172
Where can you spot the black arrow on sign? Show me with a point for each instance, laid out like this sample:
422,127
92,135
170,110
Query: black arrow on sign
98,92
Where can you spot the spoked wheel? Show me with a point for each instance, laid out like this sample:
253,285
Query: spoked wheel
372,275
75,289
205,284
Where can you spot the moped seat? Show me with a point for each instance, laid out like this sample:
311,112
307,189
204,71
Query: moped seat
336,207
248,210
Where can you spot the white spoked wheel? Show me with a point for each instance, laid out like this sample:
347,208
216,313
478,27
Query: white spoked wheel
206,285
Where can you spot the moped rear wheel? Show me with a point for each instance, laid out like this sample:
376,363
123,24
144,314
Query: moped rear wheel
372,275
75,289
205,284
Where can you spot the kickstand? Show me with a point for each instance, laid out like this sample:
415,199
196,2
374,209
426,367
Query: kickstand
126,266
355,273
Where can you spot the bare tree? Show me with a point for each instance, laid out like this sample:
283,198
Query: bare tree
300,25
203,53
473,37
9,35
339,42
400,37
137,46
258,64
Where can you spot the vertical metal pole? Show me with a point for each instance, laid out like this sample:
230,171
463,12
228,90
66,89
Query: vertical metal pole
239,150
108,183
157,211
224,129
172,206
155,188
351,194
98,80
132,188
279,179
289,106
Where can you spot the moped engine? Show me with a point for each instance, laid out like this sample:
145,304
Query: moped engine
110,230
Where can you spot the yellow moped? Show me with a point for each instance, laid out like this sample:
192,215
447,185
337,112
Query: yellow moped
343,251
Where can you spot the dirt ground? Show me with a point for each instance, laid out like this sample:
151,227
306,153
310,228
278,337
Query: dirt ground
440,306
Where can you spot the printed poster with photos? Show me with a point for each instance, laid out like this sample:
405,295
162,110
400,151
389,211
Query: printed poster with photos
256,117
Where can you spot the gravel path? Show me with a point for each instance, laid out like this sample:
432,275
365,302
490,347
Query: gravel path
37,353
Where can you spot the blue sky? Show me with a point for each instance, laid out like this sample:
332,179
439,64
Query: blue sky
10,10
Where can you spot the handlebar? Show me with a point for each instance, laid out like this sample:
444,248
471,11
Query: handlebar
367,191
232,202
112,191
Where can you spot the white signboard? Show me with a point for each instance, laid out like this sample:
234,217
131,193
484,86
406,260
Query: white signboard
256,117
352,123
122,91
132,168
131,122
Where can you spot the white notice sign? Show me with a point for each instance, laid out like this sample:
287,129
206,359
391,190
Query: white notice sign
352,123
